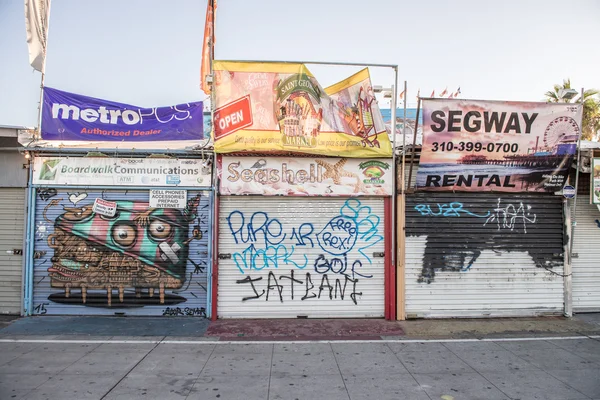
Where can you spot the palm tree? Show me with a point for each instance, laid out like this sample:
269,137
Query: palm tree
591,107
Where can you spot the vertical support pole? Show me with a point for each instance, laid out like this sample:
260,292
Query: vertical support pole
567,281
568,269
29,249
390,270
210,253
401,237
414,144
392,249
215,242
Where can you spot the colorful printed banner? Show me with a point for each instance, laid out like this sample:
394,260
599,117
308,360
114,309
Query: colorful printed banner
272,176
473,145
98,171
69,116
281,108
596,181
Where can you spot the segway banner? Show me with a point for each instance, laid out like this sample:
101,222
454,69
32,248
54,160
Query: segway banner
473,145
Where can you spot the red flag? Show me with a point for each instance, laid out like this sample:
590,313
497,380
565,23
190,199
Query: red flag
208,45
444,92
432,93
451,96
402,95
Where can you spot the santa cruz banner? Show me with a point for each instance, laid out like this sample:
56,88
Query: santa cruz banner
473,145
273,176
281,108
69,116
105,171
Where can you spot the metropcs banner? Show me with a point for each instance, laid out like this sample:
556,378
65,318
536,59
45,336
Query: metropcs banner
473,145
272,176
69,116
84,171
281,108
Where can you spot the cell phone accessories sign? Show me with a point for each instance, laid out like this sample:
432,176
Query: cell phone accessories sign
85,171
168,199
476,145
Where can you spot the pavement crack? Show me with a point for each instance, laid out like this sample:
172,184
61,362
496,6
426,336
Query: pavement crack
131,369
407,370
476,370
202,370
270,371
340,370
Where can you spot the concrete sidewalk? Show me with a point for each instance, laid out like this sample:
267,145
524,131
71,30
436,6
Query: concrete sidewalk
302,329
113,358
551,369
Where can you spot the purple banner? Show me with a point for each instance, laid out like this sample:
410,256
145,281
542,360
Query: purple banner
69,116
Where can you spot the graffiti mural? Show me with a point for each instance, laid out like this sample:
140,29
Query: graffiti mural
459,228
142,258
332,253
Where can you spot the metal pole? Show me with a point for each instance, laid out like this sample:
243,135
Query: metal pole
576,178
115,151
404,141
39,116
394,66
29,249
414,143
393,216
568,270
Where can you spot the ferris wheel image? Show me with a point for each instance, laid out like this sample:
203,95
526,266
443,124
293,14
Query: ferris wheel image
561,130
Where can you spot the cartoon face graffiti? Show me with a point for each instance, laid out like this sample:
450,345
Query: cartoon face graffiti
140,247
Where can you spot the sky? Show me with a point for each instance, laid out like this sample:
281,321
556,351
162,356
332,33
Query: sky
148,52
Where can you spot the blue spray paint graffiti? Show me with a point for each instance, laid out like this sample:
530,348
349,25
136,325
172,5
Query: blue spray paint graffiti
265,236
497,226
454,209
272,244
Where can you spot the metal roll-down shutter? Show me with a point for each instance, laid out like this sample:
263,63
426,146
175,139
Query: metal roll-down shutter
286,257
142,261
586,245
473,255
12,214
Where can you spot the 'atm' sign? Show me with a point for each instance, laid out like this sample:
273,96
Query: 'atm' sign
232,117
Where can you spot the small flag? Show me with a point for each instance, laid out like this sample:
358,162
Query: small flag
457,92
208,45
451,96
402,95
432,93
37,15
444,92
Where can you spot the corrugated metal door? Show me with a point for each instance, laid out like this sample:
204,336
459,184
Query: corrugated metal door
284,257
12,214
471,255
585,266
142,261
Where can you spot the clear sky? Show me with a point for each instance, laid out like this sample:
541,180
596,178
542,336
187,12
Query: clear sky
147,52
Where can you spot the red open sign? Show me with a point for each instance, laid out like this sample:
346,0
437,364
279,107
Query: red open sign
232,117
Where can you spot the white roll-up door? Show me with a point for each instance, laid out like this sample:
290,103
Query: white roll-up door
12,214
483,254
288,257
585,264
141,261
